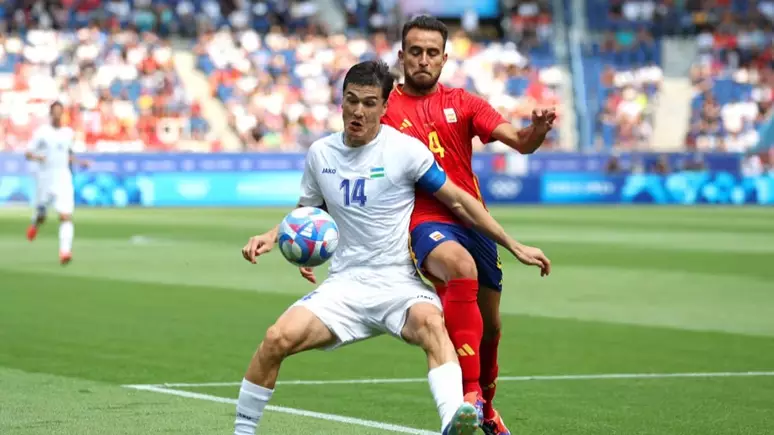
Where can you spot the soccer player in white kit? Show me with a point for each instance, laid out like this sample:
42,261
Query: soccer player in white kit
365,177
51,147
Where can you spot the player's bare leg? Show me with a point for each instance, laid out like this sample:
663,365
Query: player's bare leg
66,233
37,220
451,263
425,328
489,304
297,330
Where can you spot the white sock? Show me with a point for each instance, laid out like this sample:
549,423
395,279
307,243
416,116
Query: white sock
252,399
446,386
66,231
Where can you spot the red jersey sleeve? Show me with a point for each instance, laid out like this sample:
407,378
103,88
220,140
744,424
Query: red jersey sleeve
484,118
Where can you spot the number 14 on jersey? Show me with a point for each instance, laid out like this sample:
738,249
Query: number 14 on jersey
354,192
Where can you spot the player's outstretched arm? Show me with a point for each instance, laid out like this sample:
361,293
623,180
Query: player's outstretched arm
473,213
526,140
78,161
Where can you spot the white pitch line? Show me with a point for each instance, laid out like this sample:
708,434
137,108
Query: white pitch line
500,379
293,411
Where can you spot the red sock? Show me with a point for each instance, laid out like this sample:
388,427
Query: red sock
489,372
465,326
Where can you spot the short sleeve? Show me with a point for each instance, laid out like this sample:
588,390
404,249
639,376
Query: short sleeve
484,117
311,195
421,167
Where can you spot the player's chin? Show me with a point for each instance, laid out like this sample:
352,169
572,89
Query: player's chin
355,129
423,80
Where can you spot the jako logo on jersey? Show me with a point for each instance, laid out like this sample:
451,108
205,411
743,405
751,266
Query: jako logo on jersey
436,235
451,116
328,171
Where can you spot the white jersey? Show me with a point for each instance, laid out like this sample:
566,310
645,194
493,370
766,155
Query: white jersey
369,192
55,145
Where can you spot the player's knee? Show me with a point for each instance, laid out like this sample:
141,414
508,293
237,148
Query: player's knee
451,261
432,329
492,326
65,217
277,343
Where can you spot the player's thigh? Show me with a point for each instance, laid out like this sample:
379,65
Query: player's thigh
407,307
43,196
424,325
337,305
439,251
64,201
297,330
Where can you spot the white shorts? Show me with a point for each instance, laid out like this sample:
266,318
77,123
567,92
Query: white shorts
59,195
364,303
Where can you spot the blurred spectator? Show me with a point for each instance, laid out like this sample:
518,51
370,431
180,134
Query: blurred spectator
119,87
627,93
732,76
288,86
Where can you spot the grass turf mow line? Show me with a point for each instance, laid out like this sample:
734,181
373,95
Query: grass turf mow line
501,379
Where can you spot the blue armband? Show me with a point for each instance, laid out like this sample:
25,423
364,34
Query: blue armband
433,179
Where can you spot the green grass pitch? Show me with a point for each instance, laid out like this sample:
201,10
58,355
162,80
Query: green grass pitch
162,296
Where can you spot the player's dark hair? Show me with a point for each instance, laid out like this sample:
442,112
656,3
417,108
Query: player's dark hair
55,104
371,73
425,22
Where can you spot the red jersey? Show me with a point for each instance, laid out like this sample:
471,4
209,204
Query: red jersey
446,121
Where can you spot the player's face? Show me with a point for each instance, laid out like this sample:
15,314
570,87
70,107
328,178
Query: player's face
362,109
56,114
423,58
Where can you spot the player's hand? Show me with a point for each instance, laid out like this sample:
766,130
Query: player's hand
257,246
543,120
308,274
532,256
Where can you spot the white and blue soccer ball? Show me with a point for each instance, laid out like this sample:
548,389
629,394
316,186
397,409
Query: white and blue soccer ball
308,237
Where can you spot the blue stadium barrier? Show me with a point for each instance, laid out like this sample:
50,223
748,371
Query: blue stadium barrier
273,180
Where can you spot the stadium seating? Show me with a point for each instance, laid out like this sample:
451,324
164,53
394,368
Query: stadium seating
285,90
733,80
120,89
622,72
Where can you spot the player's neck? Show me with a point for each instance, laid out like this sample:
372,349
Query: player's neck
56,124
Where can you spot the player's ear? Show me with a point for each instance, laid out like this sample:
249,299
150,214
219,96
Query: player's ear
400,55
445,58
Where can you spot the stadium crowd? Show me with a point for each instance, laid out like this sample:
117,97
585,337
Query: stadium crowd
279,76
284,91
119,87
732,76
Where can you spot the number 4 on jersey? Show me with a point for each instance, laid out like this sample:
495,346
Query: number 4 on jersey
434,144
357,194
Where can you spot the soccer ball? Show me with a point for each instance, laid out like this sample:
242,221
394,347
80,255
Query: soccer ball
308,237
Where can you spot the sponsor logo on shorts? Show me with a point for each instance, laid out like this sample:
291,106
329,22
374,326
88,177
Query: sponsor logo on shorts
436,235
426,297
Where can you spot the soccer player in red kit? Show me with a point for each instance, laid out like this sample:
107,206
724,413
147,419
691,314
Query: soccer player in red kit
463,264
